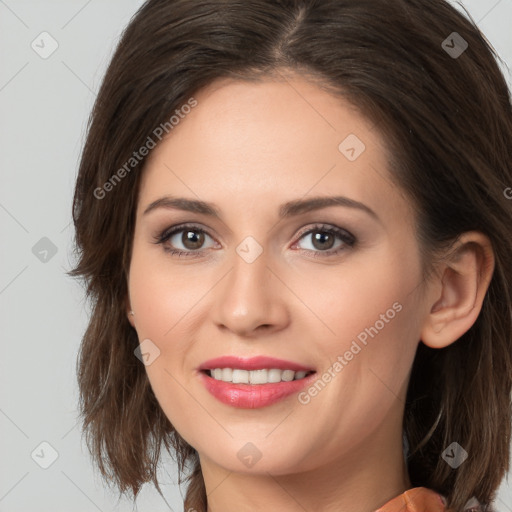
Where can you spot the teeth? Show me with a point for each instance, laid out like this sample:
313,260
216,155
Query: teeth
272,375
240,377
258,376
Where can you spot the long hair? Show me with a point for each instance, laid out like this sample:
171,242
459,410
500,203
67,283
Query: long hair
429,80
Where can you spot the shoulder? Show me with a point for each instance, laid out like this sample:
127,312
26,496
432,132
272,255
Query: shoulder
421,499
418,499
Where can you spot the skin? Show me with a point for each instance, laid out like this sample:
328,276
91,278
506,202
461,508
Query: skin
248,148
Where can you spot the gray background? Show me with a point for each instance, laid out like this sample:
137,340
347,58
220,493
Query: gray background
44,106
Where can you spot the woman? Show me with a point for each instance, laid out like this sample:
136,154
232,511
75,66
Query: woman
229,142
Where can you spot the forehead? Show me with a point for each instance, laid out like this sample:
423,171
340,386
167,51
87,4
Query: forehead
270,141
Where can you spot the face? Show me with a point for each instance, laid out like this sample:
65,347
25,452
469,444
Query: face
268,270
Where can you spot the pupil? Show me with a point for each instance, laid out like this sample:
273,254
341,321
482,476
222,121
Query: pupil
193,240
321,237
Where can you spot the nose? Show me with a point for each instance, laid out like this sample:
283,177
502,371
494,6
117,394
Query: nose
251,299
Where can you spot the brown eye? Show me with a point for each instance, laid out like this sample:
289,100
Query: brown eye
323,240
192,240
183,240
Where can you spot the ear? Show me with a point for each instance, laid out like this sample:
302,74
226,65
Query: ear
458,292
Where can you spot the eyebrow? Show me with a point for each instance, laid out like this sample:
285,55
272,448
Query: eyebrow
289,209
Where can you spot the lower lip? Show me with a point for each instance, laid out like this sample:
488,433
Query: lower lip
246,396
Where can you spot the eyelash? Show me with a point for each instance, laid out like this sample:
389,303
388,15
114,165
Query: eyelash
347,238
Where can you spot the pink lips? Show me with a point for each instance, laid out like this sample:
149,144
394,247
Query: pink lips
252,363
253,396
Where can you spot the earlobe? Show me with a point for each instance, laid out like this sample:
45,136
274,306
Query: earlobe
131,318
129,313
458,295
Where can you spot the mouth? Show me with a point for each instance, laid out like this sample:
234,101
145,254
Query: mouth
254,383
259,394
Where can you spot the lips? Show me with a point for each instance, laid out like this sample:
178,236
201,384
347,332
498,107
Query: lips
253,363
248,396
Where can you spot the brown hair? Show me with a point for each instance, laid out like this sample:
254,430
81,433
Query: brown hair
448,124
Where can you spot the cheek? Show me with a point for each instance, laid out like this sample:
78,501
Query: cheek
368,358
367,296
166,303
372,312
162,294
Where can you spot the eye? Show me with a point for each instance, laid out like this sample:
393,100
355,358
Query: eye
184,240
323,239
188,240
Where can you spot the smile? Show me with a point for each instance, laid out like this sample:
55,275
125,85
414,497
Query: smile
252,395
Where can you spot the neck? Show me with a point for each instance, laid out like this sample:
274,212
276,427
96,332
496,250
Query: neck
361,481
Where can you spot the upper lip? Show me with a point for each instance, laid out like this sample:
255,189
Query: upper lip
252,363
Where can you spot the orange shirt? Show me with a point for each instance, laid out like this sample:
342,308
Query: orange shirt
419,499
